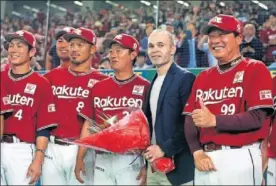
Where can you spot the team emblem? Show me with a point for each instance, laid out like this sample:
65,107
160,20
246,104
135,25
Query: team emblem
51,108
30,88
91,83
20,33
265,94
119,37
78,31
238,77
138,90
217,19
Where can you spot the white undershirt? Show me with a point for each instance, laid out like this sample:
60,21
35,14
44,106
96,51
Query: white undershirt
154,95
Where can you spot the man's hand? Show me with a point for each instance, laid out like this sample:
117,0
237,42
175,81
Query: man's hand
153,152
142,176
203,162
203,117
80,167
34,171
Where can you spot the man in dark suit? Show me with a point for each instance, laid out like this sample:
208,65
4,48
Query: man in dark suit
167,97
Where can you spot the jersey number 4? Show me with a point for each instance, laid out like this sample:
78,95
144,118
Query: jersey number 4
19,114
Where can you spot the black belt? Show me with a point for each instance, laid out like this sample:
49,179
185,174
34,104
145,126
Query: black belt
9,138
59,142
212,147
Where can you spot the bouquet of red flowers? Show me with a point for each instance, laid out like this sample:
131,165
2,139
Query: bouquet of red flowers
130,134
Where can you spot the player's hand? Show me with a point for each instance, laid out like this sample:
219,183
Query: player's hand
142,176
203,117
203,162
153,152
34,171
80,167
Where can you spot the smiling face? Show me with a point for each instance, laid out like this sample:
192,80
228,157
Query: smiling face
224,46
80,51
121,58
63,49
18,52
160,48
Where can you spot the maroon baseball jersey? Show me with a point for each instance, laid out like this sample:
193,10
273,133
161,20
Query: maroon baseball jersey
110,99
272,138
33,105
245,86
5,102
71,91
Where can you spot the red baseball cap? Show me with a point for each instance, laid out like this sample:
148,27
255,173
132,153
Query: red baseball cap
24,35
223,22
82,33
126,41
65,30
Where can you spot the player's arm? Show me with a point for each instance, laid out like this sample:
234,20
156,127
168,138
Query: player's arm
85,113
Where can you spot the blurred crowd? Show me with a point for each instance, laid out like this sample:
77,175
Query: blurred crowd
185,22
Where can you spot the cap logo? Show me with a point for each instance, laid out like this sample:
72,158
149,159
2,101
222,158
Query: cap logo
78,31
119,37
134,46
217,19
67,29
20,33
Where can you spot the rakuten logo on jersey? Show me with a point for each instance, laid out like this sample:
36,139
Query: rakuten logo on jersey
212,96
70,92
110,103
17,99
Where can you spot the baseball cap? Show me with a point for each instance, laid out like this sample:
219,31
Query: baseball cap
126,41
65,30
82,33
223,22
24,35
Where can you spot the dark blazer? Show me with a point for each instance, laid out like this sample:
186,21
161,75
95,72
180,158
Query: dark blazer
169,125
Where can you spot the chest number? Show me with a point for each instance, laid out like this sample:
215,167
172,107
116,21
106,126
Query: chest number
19,114
80,106
228,109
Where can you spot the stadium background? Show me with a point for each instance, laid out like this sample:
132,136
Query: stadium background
138,18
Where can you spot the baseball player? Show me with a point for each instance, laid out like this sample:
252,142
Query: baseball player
26,132
108,104
71,87
227,109
62,47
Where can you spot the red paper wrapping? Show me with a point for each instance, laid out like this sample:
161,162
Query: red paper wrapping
164,165
129,134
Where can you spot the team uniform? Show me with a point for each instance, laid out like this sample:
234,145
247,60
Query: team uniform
5,103
236,90
271,171
32,100
108,105
70,92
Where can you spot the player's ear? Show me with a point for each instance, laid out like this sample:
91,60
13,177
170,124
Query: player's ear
133,55
93,49
239,39
32,52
